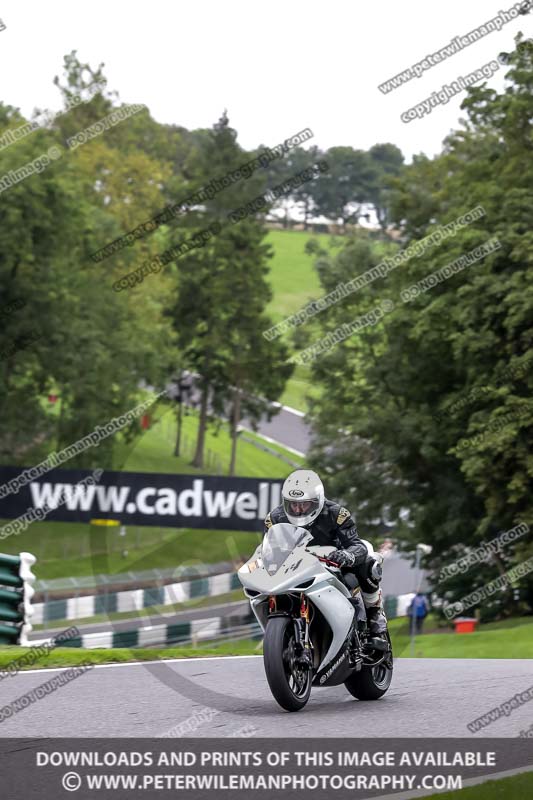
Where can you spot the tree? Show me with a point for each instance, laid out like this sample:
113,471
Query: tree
294,162
388,160
88,348
345,188
218,313
385,410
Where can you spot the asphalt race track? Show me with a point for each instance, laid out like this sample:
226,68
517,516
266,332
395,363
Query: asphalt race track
428,698
289,428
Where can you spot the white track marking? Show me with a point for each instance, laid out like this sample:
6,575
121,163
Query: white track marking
289,409
135,663
275,441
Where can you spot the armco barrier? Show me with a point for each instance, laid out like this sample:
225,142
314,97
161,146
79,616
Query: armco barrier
75,608
16,592
212,629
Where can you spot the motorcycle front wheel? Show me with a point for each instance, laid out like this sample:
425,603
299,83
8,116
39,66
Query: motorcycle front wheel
290,684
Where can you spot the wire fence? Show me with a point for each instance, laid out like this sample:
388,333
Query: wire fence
270,451
133,577
212,461
51,548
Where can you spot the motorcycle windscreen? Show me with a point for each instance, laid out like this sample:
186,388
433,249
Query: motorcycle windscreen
279,542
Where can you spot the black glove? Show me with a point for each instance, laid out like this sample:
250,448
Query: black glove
344,558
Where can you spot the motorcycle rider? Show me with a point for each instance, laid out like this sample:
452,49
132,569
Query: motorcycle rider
305,505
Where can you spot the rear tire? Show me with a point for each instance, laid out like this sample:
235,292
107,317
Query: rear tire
290,686
371,683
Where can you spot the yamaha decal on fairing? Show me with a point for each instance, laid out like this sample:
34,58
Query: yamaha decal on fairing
335,671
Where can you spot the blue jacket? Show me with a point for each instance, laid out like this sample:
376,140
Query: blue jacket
419,606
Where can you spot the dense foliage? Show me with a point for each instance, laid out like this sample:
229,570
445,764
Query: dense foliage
64,330
430,410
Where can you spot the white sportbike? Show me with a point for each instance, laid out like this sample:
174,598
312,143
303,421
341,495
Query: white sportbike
315,629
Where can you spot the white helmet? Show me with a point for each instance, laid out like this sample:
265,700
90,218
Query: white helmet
303,497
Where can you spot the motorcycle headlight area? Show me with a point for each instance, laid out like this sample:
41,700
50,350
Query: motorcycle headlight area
251,566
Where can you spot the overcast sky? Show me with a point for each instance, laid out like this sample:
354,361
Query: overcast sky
277,67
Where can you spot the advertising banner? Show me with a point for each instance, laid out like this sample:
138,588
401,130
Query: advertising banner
140,498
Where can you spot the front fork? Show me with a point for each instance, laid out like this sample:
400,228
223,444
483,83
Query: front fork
301,634
302,639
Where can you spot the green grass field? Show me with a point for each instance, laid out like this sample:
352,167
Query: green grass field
153,451
518,787
293,278
294,281
65,550
507,639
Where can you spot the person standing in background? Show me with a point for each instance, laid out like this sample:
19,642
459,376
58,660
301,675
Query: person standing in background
418,611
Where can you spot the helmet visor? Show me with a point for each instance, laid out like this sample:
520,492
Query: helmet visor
300,508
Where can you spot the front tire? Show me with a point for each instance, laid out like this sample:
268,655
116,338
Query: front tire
290,685
371,683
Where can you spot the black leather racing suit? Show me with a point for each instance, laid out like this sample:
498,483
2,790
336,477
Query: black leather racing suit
335,526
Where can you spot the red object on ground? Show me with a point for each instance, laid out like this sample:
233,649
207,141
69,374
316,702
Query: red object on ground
52,398
465,624
145,421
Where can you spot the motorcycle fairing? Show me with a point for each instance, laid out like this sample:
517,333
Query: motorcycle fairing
327,592
338,669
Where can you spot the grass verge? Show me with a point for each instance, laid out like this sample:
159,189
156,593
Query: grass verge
71,656
518,787
509,640
153,451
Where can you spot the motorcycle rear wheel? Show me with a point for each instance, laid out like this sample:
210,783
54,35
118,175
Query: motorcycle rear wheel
290,685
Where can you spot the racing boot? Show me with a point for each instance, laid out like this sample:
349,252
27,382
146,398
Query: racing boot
377,621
